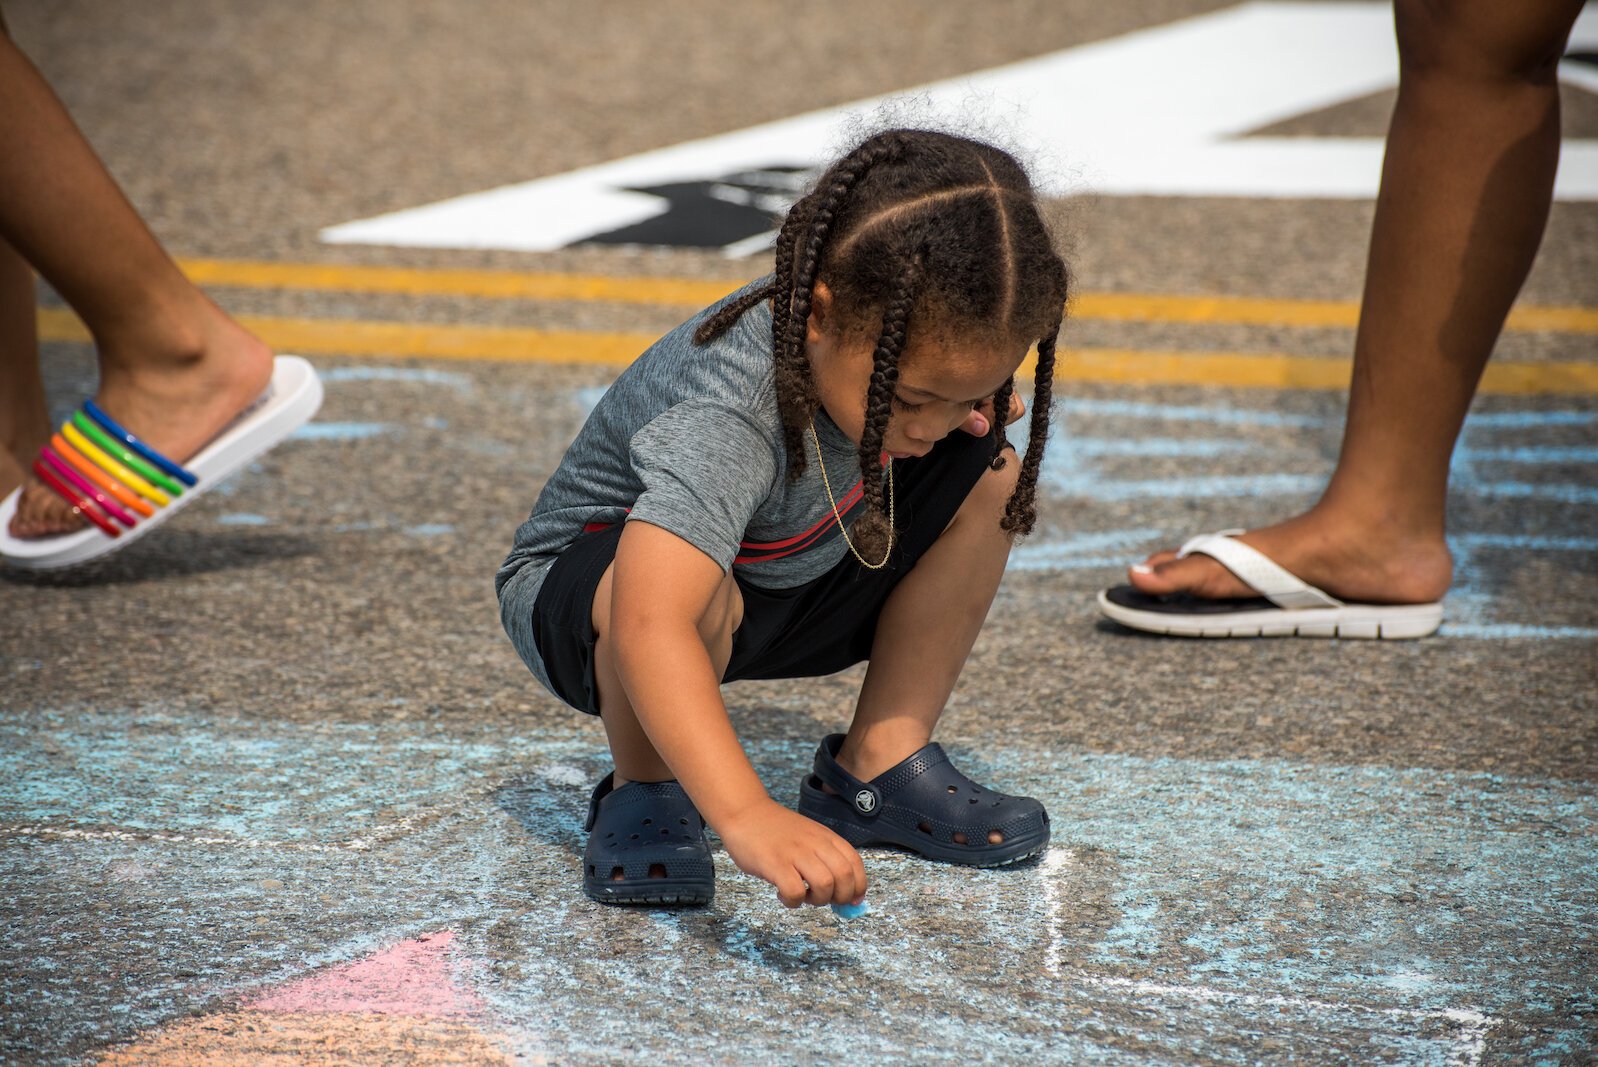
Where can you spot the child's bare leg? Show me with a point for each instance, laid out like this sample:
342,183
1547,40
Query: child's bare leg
175,369
926,630
635,755
24,417
1465,191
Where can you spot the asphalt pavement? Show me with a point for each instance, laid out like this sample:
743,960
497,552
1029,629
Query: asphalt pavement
273,783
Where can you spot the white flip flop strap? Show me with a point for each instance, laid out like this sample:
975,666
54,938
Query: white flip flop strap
1276,584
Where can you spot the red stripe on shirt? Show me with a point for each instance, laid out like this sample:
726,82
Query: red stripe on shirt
844,505
850,499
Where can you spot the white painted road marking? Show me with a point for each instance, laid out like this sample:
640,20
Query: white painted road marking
1158,112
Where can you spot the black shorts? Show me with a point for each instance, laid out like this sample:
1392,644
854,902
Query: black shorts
807,631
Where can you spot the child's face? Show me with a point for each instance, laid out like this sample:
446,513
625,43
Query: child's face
940,380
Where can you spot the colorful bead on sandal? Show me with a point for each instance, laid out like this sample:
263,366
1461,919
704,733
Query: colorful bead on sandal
108,474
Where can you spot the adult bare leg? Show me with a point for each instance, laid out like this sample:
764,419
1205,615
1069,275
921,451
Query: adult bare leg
1466,185
24,417
174,368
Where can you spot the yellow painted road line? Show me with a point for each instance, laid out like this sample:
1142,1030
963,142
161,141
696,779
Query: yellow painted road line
1246,311
336,337
1114,365
691,293
491,284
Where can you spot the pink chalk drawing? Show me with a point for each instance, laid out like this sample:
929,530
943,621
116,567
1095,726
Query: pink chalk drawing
415,977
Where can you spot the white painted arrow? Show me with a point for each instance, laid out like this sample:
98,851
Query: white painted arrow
1158,112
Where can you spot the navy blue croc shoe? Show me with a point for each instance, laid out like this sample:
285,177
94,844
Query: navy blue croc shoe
646,845
926,806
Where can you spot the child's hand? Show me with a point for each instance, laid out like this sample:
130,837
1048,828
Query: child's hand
808,863
980,421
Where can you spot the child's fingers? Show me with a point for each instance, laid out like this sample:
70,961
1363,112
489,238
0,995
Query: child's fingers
819,876
791,888
853,874
848,873
857,869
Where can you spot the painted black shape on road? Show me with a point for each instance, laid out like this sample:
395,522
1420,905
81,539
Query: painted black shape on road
713,213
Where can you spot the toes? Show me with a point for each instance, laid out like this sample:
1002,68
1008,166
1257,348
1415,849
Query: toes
1140,574
41,513
1198,575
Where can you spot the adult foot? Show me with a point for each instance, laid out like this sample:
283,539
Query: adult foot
1359,562
24,428
12,472
176,403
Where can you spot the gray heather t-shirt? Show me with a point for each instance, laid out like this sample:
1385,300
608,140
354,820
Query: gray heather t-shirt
689,439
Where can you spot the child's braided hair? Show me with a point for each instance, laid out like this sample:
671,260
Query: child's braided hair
914,228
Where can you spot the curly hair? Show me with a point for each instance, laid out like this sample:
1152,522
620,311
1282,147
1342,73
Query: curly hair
914,226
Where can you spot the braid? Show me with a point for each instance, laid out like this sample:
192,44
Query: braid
1001,412
731,312
1020,511
794,378
872,532
796,387
781,282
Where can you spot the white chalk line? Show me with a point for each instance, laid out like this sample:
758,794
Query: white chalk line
72,833
354,844
563,774
1473,1025
1055,860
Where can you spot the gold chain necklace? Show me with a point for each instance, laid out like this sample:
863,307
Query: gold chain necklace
834,502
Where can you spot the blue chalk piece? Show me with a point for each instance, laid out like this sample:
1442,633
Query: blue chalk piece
850,911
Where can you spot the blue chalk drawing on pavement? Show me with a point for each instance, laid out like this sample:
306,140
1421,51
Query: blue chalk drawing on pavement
1177,413
1409,913
1470,605
153,771
588,397
342,431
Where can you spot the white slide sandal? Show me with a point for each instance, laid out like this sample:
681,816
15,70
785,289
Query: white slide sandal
126,490
1286,606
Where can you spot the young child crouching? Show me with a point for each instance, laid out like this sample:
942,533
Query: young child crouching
807,475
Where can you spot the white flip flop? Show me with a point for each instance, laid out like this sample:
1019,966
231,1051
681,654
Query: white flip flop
1286,606
126,490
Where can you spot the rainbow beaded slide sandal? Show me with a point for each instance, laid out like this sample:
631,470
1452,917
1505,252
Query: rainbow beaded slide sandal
125,489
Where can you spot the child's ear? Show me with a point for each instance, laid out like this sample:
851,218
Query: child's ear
820,324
